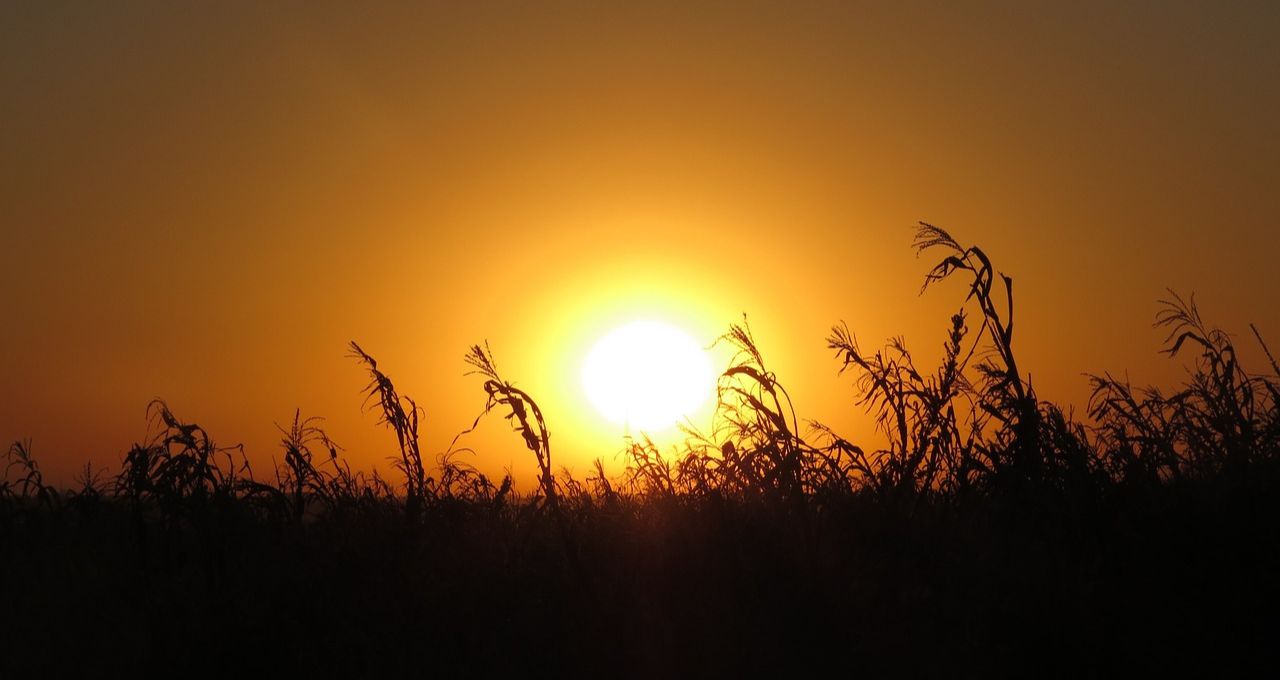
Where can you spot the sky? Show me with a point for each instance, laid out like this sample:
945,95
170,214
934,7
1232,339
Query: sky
205,202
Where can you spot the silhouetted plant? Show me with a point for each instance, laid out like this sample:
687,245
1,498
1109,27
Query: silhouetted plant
1013,452
1222,421
300,476
916,411
602,487
88,494
648,473
527,420
30,482
523,412
404,422
462,481
180,462
754,449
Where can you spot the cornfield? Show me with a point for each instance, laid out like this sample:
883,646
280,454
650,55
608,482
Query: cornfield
987,531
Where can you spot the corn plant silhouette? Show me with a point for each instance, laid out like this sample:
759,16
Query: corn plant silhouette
401,414
180,463
1003,394
1223,422
31,482
949,433
300,475
928,445
527,420
523,412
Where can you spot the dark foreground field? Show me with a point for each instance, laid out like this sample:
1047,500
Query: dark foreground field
1184,579
990,534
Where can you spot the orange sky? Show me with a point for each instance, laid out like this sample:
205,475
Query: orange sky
206,203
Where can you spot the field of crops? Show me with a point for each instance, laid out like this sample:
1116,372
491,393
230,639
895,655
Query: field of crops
992,533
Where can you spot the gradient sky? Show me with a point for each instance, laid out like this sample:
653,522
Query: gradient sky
205,201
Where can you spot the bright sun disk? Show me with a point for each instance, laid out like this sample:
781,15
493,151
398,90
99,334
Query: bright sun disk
647,375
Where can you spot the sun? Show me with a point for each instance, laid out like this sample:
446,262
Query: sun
647,375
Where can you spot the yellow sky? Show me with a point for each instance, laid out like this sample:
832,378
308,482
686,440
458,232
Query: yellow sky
206,203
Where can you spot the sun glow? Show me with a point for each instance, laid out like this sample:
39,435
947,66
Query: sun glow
647,375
